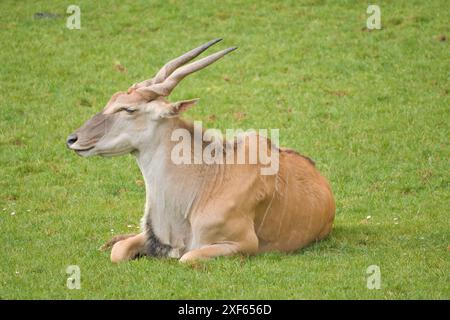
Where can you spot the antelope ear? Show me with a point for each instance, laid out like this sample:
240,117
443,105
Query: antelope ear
178,107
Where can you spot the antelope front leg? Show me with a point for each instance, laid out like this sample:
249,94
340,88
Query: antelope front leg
129,248
240,238
219,249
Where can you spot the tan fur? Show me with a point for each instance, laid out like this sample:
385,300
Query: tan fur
237,210
241,211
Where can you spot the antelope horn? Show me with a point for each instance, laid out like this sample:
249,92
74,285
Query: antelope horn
174,64
165,88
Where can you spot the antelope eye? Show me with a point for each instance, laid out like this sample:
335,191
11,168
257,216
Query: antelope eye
128,110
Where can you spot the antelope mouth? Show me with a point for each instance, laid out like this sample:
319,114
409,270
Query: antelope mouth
83,151
87,149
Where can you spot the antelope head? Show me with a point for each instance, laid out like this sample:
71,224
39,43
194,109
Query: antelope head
130,118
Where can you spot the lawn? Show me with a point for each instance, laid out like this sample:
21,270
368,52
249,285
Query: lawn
370,107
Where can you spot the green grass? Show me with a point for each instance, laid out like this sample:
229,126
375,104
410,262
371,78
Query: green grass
371,108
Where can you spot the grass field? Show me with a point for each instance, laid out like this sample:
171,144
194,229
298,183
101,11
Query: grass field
371,108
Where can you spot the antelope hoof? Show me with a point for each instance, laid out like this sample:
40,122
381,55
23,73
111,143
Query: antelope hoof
109,244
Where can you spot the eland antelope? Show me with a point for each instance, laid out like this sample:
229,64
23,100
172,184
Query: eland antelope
201,211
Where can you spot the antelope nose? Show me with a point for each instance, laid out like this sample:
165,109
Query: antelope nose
71,139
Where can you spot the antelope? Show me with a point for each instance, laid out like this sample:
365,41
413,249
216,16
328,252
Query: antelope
201,211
